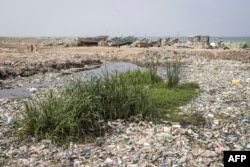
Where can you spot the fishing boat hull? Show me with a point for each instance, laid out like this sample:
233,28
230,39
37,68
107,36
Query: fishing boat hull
91,40
119,41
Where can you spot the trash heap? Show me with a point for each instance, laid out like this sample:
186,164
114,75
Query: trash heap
224,101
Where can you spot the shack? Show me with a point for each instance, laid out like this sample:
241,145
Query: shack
199,41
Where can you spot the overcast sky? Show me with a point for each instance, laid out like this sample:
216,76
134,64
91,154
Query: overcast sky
123,17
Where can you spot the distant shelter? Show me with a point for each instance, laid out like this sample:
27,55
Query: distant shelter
199,41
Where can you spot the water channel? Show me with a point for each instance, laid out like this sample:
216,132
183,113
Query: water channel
23,92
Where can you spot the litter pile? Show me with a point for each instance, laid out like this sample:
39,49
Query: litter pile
224,101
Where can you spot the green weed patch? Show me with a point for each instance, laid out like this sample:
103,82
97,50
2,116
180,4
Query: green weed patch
80,109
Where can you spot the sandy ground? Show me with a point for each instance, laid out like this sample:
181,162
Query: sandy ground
15,50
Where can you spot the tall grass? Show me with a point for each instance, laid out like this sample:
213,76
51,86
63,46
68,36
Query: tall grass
78,110
61,117
153,64
120,94
173,70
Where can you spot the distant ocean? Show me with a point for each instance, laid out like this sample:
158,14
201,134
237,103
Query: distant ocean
212,39
184,38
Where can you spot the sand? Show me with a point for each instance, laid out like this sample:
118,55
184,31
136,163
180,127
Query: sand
14,50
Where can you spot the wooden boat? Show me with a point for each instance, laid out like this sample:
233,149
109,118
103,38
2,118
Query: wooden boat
119,41
91,40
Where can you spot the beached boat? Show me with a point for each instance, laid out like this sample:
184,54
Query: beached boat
119,41
91,40
147,43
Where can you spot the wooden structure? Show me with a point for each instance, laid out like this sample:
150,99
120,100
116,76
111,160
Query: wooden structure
199,41
88,41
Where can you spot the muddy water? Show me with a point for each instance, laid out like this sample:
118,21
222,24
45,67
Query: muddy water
23,92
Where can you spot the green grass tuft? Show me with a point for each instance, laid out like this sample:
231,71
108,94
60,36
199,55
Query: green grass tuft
173,69
168,100
61,117
76,111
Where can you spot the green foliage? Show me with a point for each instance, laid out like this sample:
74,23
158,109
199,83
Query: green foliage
76,111
168,100
153,67
61,117
173,69
146,78
121,95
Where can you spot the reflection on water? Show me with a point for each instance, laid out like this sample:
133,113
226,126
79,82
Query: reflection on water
24,92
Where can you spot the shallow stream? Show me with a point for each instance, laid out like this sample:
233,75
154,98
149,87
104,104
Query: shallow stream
22,92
